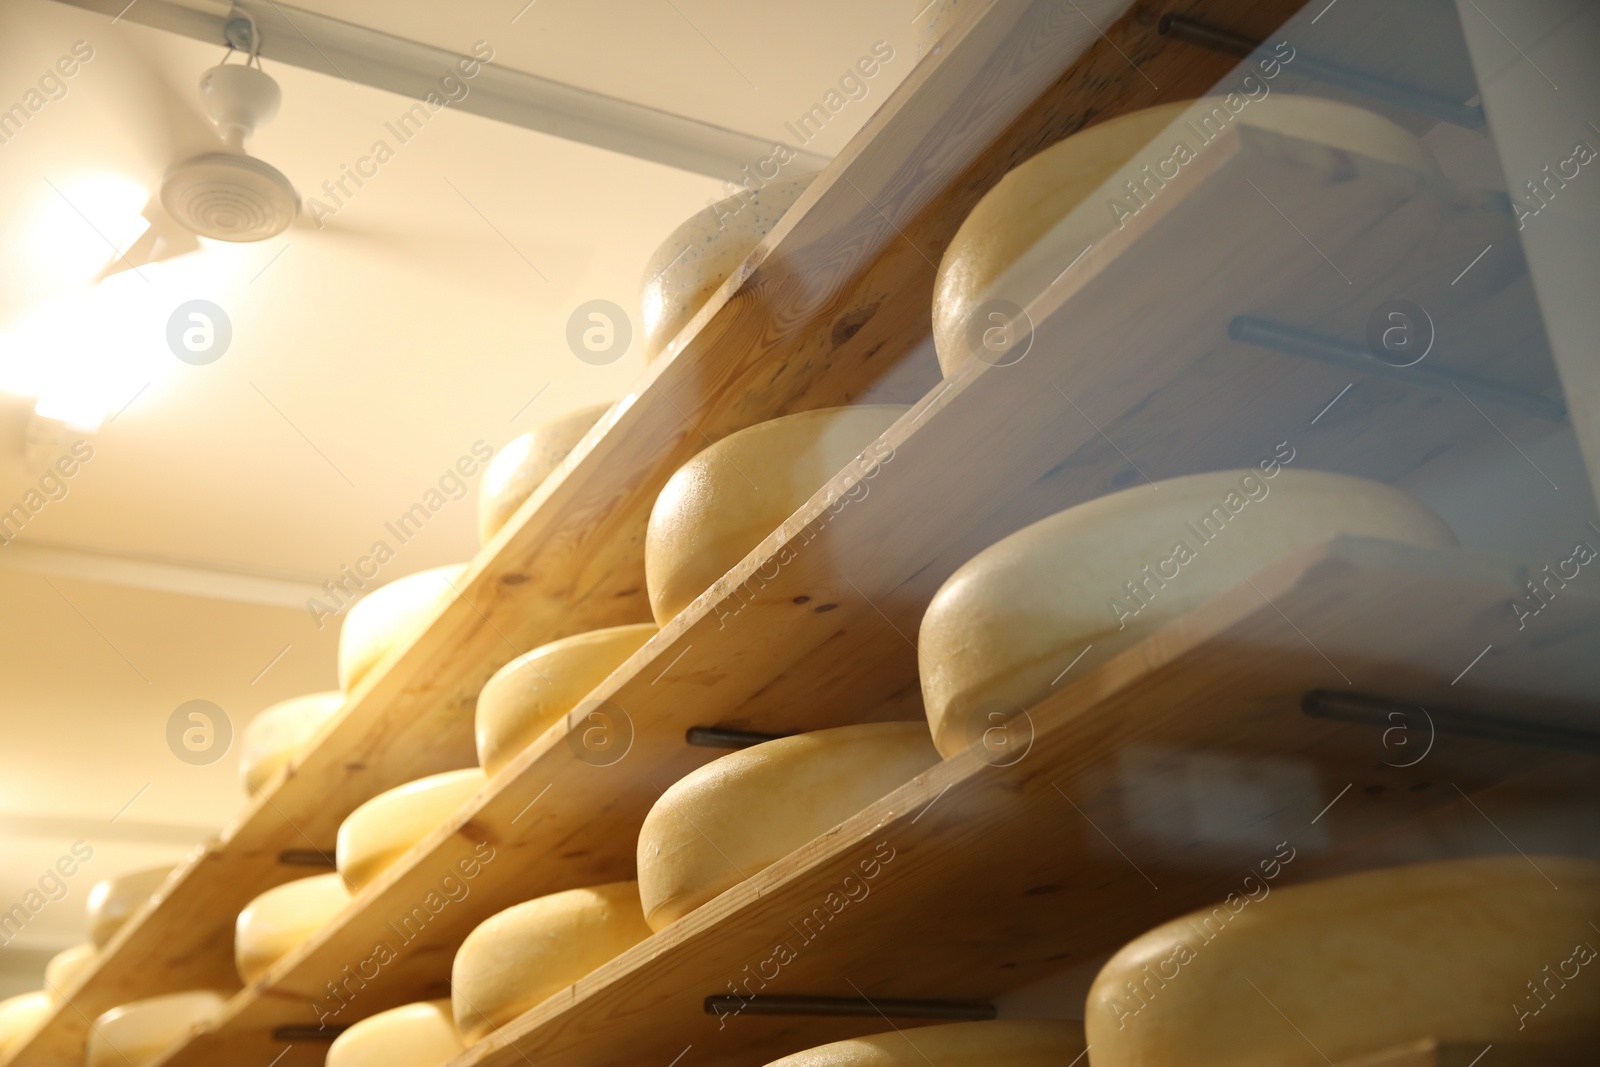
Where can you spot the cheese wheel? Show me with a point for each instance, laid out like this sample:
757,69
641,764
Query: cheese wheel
723,822
113,901
136,1034
390,617
280,733
525,954
1012,618
19,1015
731,496
1044,213
387,826
1473,951
525,463
67,967
537,689
1000,1043
413,1035
278,921
697,257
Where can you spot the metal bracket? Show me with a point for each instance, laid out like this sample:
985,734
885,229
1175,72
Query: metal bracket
239,35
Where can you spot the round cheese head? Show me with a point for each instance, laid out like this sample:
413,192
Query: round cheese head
1051,193
113,901
19,1015
413,1035
387,826
723,822
280,733
389,617
697,257
67,967
537,689
731,496
136,1034
997,1043
1476,951
527,461
278,921
1106,573
525,954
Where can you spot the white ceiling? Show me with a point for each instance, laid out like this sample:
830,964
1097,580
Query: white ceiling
363,363
745,66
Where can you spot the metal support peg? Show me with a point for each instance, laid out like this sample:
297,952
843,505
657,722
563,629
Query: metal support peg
1216,39
722,737
761,1004
1508,729
1264,333
291,1034
306,857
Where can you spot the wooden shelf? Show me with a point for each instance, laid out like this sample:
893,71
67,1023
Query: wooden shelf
831,310
836,299
1216,694
822,639
1151,784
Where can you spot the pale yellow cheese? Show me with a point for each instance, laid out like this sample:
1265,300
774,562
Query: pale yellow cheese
697,257
113,901
1000,1042
1044,213
1474,952
413,1035
67,967
281,919
523,955
535,690
729,819
19,1015
136,1034
390,617
387,826
731,496
525,463
1007,623
280,733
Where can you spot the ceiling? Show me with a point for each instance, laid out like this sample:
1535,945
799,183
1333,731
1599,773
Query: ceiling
365,360
749,67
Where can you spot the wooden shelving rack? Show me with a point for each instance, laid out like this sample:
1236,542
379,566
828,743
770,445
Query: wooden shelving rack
1132,346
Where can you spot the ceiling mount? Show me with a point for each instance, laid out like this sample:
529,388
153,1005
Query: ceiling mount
241,35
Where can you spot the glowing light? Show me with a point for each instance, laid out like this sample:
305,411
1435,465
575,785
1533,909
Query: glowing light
85,353
82,224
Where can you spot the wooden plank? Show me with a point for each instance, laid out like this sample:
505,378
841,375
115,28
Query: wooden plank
1150,784
837,299
1558,244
